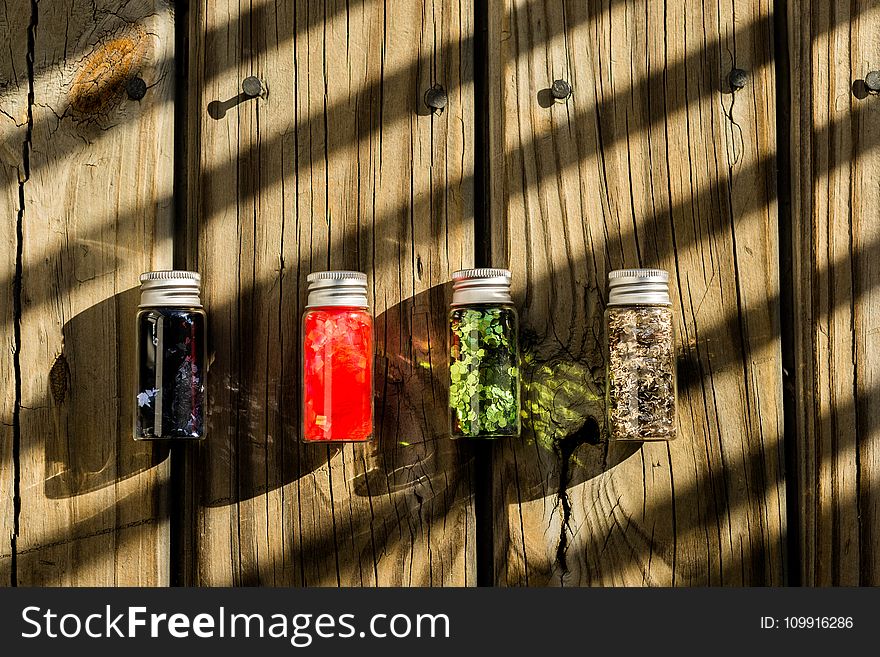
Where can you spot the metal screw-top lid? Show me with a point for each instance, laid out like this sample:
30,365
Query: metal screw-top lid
337,288
175,288
638,286
485,285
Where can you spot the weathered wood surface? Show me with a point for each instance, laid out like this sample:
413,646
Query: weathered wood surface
86,177
653,161
835,132
339,166
12,131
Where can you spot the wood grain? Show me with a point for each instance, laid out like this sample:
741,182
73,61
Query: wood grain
653,161
836,244
339,166
85,173
13,130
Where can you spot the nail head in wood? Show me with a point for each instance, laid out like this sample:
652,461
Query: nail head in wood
738,78
872,81
252,86
136,88
560,90
436,98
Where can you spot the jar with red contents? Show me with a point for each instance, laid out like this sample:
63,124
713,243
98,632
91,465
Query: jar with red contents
337,365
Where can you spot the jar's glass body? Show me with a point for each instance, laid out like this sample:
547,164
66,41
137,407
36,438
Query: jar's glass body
337,374
484,391
171,367
640,392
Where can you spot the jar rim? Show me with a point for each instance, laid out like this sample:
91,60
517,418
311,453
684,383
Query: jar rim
480,273
337,288
337,275
638,287
170,288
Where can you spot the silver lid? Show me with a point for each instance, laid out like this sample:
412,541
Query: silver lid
638,286
337,288
170,288
484,285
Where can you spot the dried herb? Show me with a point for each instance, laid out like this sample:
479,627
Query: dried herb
484,387
641,373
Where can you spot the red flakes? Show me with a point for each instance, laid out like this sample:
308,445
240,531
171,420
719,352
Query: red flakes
337,374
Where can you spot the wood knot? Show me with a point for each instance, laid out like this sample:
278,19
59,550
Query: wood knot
100,83
59,379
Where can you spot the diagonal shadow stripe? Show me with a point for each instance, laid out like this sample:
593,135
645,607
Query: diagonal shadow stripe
711,197
617,104
721,191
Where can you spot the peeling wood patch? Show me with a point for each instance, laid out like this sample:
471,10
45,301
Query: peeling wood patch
59,379
100,84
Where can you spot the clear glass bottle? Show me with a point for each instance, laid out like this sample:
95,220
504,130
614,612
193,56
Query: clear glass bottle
171,357
484,394
337,361
640,390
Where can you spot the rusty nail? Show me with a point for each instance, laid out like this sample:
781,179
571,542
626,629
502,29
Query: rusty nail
560,90
737,78
436,98
136,88
252,86
872,81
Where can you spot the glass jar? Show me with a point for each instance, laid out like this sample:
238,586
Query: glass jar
337,366
484,395
640,387
171,357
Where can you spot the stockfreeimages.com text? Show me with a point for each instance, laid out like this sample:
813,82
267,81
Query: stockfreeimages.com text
299,629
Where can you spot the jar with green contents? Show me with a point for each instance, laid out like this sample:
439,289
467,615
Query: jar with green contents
484,395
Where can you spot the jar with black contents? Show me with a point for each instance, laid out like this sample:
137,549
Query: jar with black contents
641,380
484,395
171,358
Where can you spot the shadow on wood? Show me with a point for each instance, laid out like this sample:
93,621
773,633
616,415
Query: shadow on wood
562,407
217,108
81,453
244,394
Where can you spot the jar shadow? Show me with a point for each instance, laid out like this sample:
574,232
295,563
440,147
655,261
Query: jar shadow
253,445
411,449
562,414
255,473
563,441
89,443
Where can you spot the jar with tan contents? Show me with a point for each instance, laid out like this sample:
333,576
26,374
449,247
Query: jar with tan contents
640,393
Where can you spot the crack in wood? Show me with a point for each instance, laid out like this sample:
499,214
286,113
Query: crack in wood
17,293
115,529
565,448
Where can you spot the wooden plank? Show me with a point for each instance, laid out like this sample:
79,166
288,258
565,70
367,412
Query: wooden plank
338,166
13,130
95,170
836,270
651,162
